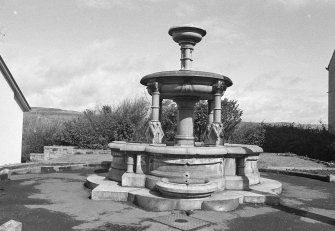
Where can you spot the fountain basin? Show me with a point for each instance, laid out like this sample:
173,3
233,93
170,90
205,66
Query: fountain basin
186,190
220,164
186,82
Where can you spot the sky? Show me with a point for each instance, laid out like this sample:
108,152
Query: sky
76,54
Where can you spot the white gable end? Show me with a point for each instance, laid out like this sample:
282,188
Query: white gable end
11,123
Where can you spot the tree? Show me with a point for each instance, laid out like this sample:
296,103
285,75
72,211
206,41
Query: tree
231,117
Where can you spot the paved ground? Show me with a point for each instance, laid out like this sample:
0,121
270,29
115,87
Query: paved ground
59,201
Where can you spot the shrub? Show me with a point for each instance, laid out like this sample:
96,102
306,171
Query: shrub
169,119
314,142
231,116
39,132
248,133
96,128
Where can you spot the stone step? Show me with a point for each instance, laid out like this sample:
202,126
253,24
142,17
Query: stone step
227,200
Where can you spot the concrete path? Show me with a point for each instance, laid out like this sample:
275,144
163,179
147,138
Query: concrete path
59,201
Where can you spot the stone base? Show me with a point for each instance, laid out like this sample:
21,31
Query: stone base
266,192
237,182
104,189
133,180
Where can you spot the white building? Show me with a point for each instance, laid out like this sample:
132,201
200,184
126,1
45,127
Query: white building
12,106
331,94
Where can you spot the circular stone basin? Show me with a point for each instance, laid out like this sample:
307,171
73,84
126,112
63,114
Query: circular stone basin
183,190
186,82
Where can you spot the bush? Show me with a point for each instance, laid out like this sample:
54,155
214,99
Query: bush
169,119
248,133
231,116
96,128
314,142
39,132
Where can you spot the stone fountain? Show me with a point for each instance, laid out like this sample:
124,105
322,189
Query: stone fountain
186,175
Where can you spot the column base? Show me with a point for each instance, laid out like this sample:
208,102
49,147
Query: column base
130,179
236,182
214,134
154,132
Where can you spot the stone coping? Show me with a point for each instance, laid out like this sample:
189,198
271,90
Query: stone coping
162,149
292,171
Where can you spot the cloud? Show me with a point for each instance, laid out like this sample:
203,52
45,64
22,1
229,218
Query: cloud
298,4
185,9
96,74
102,4
221,31
107,4
275,97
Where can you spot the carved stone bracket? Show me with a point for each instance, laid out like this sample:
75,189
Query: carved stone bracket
154,132
214,134
219,87
152,87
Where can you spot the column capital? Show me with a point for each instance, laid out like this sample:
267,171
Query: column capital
219,87
153,87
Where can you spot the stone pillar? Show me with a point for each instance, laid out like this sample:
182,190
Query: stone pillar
214,131
130,164
210,112
139,164
240,166
217,103
154,132
160,109
235,175
186,55
184,135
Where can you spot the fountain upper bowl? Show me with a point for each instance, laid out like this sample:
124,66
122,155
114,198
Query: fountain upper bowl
186,83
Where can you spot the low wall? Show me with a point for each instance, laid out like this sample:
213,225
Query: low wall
36,157
52,152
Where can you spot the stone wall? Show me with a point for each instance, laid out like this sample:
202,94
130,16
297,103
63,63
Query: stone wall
52,152
36,157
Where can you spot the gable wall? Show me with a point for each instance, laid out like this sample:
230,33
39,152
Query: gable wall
11,122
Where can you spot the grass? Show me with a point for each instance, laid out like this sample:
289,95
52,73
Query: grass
280,160
51,113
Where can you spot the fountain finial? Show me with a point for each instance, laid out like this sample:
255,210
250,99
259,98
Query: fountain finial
186,36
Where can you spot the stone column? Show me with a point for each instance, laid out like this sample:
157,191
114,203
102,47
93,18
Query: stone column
154,132
186,55
210,112
160,109
214,131
130,164
217,103
240,166
184,135
139,164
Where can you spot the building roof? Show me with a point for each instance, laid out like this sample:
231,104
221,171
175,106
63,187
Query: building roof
18,95
331,62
